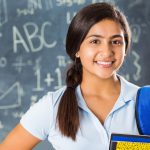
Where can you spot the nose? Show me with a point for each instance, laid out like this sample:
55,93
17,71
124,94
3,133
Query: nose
105,51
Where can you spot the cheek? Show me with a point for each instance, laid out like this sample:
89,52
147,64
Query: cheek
120,52
120,56
86,57
86,53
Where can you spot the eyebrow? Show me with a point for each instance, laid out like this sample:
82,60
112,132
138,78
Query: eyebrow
100,36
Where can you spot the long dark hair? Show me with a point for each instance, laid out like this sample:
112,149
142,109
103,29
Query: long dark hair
68,115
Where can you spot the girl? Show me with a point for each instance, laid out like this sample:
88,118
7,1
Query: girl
96,101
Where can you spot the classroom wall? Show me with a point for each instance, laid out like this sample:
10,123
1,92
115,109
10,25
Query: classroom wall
32,51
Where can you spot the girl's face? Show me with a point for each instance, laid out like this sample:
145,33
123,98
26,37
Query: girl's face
103,49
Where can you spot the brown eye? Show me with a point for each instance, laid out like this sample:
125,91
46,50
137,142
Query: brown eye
95,41
117,42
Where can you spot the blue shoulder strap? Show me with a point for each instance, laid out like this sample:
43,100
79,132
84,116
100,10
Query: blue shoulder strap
142,110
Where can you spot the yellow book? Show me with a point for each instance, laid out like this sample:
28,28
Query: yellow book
129,142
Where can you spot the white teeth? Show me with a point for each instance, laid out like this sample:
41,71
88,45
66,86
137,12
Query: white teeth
104,62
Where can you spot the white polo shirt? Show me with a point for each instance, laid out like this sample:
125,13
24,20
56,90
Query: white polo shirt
40,120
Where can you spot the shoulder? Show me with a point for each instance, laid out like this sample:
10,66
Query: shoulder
48,100
129,84
39,117
56,95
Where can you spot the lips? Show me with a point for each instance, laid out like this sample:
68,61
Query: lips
105,64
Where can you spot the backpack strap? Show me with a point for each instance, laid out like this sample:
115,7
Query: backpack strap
142,110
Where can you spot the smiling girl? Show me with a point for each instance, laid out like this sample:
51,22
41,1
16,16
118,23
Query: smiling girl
96,101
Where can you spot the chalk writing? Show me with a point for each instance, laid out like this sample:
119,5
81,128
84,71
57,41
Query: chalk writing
19,64
32,46
59,79
69,2
49,79
3,12
40,4
136,32
6,103
37,73
25,12
69,16
137,74
62,62
110,1
32,37
33,6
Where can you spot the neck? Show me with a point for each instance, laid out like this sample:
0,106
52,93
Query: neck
102,86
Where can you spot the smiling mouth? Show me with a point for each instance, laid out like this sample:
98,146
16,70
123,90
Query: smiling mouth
105,64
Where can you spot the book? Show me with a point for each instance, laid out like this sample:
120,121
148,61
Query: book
129,142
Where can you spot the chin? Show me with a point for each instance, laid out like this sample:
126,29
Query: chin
106,76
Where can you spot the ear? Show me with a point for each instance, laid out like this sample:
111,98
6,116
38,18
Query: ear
77,55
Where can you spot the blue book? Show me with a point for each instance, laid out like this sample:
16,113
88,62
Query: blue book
129,142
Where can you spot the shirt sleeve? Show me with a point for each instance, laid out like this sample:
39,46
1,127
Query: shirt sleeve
38,119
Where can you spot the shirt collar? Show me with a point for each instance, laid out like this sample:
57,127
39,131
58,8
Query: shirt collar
80,99
128,90
126,94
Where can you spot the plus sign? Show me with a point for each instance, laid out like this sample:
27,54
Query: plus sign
49,79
